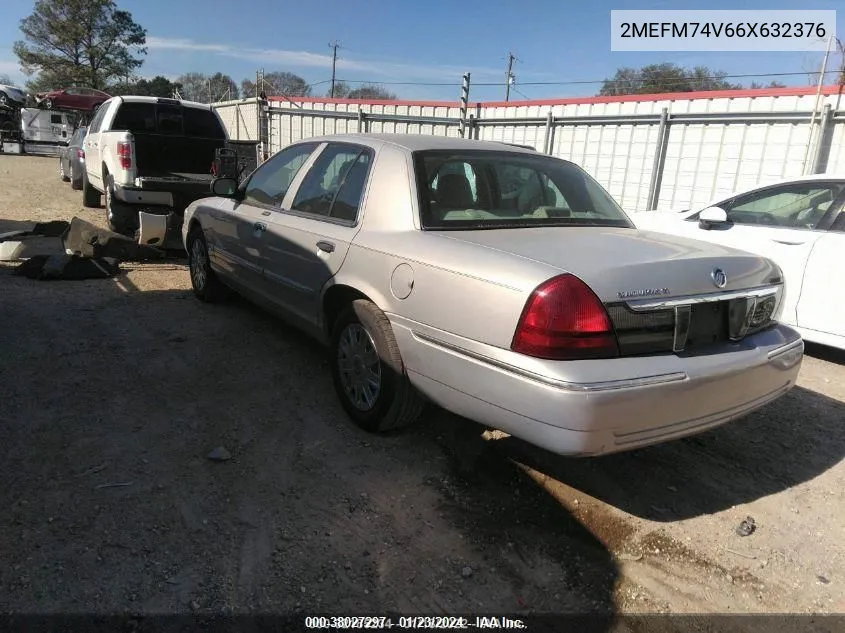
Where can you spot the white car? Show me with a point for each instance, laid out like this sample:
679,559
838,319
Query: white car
10,95
798,223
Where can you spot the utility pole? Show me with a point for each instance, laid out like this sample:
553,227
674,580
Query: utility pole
509,76
816,105
334,46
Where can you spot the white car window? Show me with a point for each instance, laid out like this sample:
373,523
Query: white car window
271,181
797,206
322,186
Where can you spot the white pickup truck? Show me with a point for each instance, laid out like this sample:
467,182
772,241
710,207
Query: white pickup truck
150,158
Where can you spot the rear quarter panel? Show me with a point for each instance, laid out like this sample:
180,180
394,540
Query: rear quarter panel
459,288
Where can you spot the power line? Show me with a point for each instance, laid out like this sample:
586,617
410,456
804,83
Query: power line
521,94
584,82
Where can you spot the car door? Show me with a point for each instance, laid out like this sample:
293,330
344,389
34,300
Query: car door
782,222
91,146
308,238
236,228
821,307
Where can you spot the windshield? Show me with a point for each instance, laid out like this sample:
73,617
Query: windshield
481,189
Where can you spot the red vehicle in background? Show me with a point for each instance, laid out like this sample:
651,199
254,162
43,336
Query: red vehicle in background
72,99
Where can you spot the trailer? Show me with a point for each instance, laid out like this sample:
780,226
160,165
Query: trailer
36,131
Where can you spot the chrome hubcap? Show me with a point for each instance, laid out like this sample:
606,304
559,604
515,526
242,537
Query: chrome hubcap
199,261
359,366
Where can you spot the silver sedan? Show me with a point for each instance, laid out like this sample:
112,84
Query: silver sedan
501,284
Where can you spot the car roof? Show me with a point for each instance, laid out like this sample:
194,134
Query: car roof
420,142
785,181
144,99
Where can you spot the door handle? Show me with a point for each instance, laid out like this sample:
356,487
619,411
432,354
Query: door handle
326,247
788,243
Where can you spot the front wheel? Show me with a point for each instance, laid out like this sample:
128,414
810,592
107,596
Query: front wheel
205,282
368,372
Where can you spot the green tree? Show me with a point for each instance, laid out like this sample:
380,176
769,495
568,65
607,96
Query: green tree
280,83
87,43
158,86
667,77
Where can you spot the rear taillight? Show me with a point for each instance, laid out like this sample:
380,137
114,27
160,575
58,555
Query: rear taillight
124,153
80,153
565,320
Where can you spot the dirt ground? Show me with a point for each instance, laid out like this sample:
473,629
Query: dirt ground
115,392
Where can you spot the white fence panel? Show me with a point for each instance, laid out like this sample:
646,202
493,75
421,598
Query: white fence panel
702,159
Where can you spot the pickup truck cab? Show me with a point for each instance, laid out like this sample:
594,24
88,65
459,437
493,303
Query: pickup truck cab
150,158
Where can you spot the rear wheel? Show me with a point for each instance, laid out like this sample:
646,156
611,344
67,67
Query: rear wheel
75,179
205,282
90,196
368,373
122,218
3,98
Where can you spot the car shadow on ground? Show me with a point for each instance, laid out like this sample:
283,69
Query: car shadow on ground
783,445
117,395
822,352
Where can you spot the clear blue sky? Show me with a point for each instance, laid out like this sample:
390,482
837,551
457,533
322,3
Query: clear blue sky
403,40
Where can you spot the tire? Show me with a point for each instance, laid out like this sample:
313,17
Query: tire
62,174
48,104
122,218
90,196
205,282
4,99
396,403
75,181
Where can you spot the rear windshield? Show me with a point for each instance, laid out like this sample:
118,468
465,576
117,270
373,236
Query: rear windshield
168,119
481,189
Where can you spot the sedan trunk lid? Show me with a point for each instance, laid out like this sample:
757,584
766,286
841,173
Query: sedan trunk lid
620,263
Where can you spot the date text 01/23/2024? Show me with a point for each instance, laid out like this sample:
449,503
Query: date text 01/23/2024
412,622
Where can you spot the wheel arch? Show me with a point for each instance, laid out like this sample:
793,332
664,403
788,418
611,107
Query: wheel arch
335,299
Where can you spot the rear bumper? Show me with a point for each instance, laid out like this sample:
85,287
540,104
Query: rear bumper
579,418
173,193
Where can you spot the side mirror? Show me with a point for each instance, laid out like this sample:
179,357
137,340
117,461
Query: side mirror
227,187
711,216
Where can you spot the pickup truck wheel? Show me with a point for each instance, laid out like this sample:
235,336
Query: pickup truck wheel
62,173
90,196
205,282
121,217
368,373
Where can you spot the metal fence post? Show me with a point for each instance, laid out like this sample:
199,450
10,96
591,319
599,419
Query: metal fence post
550,121
464,101
659,161
238,120
361,122
822,154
